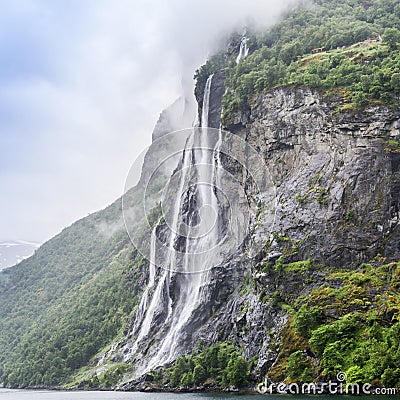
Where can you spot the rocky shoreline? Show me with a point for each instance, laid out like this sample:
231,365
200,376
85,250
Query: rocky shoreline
278,389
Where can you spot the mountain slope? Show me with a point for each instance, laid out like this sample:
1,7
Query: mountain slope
66,302
76,294
319,274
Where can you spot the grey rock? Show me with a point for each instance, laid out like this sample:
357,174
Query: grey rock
334,200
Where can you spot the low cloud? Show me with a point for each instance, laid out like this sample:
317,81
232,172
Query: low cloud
82,85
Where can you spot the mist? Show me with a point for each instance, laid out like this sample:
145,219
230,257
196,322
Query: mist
82,85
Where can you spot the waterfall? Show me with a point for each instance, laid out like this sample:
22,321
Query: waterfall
163,283
206,102
244,50
152,272
195,230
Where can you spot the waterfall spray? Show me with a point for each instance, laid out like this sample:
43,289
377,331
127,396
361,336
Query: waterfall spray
244,50
199,175
198,178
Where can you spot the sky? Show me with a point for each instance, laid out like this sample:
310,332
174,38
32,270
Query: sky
82,83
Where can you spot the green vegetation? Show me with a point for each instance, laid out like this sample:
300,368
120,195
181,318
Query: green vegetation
393,146
67,302
350,324
294,267
221,365
392,37
109,377
298,367
306,320
318,191
361,72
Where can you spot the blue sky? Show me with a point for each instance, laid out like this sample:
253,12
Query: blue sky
81,86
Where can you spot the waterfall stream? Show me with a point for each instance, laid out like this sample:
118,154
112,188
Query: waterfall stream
152,272
244,50
195,229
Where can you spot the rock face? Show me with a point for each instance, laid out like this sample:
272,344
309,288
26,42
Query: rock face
337,178
334,200
217,91
337,203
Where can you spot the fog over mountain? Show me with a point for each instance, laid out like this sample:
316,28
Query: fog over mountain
13,252
83,84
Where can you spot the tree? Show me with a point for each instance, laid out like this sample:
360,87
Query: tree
395,83
333,357
391,36
344,328
181,367
211,359
175,377
391,377
290,51
359,98
187,379
199,374
237,372
298,368
307,319
355,375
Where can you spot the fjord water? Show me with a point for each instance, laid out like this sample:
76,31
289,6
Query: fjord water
53,395
6,394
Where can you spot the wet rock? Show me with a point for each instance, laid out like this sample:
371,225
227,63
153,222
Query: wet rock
334,200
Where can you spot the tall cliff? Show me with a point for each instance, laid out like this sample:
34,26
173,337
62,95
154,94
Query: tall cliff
335,209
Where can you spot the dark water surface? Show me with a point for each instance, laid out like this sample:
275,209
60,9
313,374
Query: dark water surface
6,394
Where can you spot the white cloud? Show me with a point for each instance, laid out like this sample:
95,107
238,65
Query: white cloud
87,84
